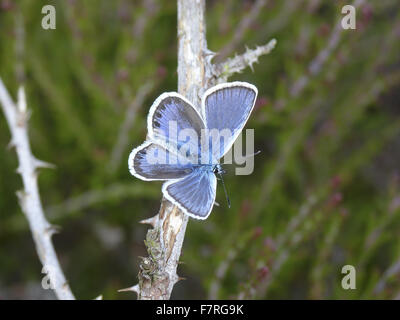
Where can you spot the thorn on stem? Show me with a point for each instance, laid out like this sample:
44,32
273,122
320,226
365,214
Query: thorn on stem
11,144
134,288
42,164
19,170
208,52
21,194
152,221
51,230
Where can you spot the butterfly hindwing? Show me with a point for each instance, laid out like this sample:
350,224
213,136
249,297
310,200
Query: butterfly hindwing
194,194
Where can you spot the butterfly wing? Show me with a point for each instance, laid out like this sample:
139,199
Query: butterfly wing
194,194
227,107
173,122
151,161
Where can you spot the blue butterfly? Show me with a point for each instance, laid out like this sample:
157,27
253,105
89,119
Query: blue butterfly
191,144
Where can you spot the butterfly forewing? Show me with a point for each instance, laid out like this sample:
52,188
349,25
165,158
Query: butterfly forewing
174,122
226,109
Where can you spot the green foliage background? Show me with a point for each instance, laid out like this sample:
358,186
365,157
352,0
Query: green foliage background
325,190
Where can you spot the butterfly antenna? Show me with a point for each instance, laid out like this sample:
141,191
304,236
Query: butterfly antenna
247,156
252,155
226,193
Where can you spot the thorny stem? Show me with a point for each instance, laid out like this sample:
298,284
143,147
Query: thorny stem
29,198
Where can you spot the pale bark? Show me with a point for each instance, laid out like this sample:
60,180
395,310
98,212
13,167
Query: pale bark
157,275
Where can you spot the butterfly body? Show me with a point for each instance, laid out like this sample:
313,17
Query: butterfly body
184,145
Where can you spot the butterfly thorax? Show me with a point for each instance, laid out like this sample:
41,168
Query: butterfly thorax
215,168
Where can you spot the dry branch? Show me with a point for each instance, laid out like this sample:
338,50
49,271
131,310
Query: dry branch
237,64
157,275
29,198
